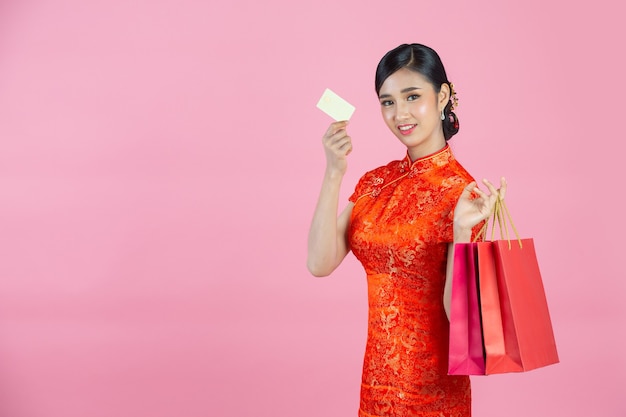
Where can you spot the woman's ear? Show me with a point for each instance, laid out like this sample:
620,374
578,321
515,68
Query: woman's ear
443,96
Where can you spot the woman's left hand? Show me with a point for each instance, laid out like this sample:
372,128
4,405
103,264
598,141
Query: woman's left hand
471,211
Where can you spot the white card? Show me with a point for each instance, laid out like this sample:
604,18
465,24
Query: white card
334,106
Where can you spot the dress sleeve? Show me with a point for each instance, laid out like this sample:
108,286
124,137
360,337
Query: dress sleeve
362,187
448,232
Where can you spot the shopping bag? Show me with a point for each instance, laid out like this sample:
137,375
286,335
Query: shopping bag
517,328
525,311
501,351
466,355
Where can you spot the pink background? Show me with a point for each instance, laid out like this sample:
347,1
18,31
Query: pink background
160,162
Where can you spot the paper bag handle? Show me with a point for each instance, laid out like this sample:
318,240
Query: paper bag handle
498,215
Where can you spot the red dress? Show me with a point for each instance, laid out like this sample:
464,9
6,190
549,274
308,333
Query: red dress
400,228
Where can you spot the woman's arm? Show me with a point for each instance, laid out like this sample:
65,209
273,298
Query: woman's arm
468,213
328,243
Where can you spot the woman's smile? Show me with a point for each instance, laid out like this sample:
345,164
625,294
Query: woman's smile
406,129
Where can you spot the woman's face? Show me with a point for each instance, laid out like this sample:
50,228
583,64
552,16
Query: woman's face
412,110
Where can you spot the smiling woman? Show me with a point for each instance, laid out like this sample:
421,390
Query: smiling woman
411,107
424,63
400,223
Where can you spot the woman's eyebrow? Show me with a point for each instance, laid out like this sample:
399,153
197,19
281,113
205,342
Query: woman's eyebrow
405,90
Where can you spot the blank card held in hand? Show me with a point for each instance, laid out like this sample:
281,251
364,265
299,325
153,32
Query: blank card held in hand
334,106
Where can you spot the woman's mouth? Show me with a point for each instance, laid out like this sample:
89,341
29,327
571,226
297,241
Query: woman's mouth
406,129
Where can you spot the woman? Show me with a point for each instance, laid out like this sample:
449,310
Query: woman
400,223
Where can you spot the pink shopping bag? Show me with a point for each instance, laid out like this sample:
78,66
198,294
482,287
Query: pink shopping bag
466,354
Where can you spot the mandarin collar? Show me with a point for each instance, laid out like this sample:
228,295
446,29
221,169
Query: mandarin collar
438,158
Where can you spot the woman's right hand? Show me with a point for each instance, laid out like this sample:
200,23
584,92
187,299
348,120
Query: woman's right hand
475,206
337,145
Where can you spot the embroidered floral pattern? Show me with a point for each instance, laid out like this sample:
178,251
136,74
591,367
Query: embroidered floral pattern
400,228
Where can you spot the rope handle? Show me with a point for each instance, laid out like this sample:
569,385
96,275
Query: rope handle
508,215
500,214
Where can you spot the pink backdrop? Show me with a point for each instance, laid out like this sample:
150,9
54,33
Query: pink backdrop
159,165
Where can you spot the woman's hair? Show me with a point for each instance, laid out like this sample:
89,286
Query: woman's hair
424,60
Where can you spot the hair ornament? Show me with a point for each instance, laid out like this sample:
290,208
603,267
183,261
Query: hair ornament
453,98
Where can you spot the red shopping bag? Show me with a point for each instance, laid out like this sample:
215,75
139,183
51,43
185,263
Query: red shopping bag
466,355
501,351
524,309
516,323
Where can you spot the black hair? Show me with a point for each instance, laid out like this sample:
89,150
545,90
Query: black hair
426,61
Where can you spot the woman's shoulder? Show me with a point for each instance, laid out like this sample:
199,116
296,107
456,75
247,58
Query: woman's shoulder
392,169
459,170
376,177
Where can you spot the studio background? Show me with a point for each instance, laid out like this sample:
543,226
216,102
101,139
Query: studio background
159,166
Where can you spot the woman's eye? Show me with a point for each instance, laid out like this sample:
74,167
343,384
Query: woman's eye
386,103
413,97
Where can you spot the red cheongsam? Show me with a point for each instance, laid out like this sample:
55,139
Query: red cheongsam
400,228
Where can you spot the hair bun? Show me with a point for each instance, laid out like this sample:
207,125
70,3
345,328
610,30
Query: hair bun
450,125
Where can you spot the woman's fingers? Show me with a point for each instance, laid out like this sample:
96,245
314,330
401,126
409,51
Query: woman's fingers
344,144
337,145
486,201
468,190
339,125
332,137
489,185
334,128
492,189
339,140
336,139
480,192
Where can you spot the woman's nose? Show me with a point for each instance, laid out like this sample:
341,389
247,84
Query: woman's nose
402,111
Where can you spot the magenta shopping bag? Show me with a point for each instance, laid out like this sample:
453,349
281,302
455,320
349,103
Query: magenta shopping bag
466,355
